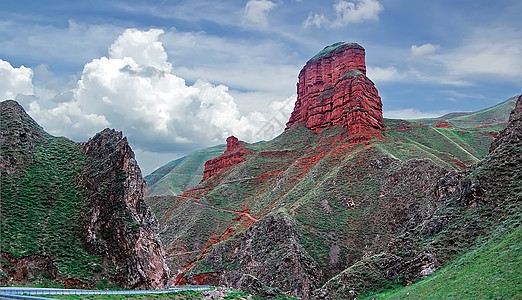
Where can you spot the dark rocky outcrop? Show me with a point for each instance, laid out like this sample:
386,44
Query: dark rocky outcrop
513,132
120,227
268,254
333,90
31,266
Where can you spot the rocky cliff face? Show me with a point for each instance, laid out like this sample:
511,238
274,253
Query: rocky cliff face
513,131
333,90
234,154
120,226
267,254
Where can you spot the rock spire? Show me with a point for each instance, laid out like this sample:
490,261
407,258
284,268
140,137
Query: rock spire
333,90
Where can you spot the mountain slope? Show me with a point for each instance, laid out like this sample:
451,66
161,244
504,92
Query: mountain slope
358,204
73,214
491,194
494,116
491,271
181,174
185,173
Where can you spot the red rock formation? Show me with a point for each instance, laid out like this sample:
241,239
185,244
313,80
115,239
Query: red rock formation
442,124
333,90
234,154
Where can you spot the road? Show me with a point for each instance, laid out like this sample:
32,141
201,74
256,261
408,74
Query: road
27,293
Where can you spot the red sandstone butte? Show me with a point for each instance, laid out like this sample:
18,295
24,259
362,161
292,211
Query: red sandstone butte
333,90
234,154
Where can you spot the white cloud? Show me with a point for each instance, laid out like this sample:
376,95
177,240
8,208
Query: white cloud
135,90
15,81
412,113
387,74
356,11
279,112
492,51
422,50
256,11
496,56
316,20
143,47
257,73
346,12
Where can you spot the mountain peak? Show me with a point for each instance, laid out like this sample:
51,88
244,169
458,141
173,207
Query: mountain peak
18,134
333,90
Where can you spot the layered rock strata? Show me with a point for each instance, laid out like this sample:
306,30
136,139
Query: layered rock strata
333,90
234,154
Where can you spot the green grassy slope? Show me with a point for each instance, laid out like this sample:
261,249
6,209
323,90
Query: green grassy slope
348,201
493,116
486,117
42,208
490,271
181,174
340,195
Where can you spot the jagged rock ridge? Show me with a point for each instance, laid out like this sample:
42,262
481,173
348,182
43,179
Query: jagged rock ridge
333,90
120,226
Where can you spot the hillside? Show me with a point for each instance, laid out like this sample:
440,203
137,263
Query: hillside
338,201
73,214
494,117
335,193
489,271
181,174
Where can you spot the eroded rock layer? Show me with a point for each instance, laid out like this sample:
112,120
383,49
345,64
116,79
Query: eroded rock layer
333,90
234,154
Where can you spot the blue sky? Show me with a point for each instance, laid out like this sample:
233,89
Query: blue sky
177,76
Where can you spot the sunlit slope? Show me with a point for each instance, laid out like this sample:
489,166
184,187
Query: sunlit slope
181,174
490,271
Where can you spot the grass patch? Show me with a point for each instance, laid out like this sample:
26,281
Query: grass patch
42,209
491,271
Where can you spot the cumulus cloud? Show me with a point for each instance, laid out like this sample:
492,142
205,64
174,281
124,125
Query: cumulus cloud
316,20
256,12
357,11
15,82
422,50
279,111
346,12
135,90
